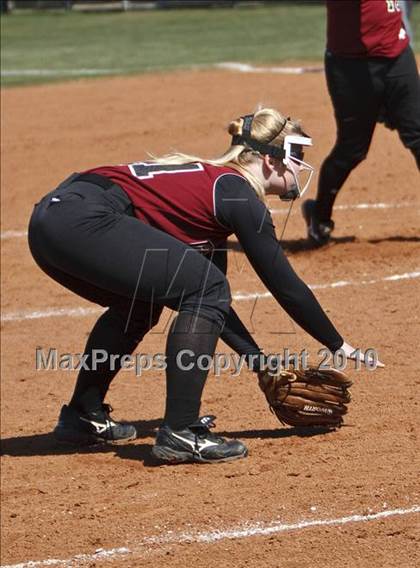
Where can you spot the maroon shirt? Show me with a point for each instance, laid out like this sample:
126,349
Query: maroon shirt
201,205
365,28
179,200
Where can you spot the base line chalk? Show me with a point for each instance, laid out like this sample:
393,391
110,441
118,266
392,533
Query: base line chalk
247,68
339,284
374,206
228,66
56,72
357,206
238,296
245,530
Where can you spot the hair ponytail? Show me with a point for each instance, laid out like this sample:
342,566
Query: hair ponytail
268,126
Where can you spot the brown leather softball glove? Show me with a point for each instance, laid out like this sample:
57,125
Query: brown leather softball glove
310,397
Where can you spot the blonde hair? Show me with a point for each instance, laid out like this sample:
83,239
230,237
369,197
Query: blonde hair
268,126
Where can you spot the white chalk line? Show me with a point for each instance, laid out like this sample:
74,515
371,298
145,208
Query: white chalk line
247,68
51,313
233,66
339,284
238,296
13,234
56,72
77,560
245,530
227,65
360,206
283,211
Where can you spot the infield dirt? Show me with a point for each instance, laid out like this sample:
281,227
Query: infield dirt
58,503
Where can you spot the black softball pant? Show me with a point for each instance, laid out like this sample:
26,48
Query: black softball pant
364,91
85,236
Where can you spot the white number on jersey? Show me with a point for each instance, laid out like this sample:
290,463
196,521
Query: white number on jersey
144,170
393,5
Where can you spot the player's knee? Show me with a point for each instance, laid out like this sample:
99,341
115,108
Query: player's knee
135,320
346,160
416,153
212,301
216,294
224,296
359,157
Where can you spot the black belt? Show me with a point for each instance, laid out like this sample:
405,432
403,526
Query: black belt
97,179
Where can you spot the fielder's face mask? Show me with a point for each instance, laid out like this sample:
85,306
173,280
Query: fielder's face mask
291,156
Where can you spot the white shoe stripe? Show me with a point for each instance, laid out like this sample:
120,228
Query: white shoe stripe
201,445
100,428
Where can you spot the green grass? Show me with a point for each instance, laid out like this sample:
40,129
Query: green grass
135,42
141,41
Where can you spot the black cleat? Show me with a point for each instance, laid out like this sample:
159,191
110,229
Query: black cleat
96,427
196,444
319,232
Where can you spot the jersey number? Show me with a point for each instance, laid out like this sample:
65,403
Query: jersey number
144,170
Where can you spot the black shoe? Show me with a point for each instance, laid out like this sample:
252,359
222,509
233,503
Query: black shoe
74,427
196,444
319,232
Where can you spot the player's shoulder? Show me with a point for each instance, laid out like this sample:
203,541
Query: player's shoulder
227,180
217,171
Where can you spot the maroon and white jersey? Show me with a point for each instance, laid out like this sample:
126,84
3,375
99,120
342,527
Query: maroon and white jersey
201,205
365,28
177,199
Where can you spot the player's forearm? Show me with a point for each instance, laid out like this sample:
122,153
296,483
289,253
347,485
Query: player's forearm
238,338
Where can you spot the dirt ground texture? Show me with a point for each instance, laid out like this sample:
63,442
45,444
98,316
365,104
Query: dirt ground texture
59,503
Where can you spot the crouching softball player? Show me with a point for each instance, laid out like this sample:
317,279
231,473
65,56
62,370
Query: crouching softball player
141,236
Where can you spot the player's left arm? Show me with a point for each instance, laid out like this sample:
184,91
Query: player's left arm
239,208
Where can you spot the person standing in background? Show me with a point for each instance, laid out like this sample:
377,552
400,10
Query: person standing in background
406,9
372,76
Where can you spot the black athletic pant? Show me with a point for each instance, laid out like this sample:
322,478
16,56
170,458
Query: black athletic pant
362,92
85,236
